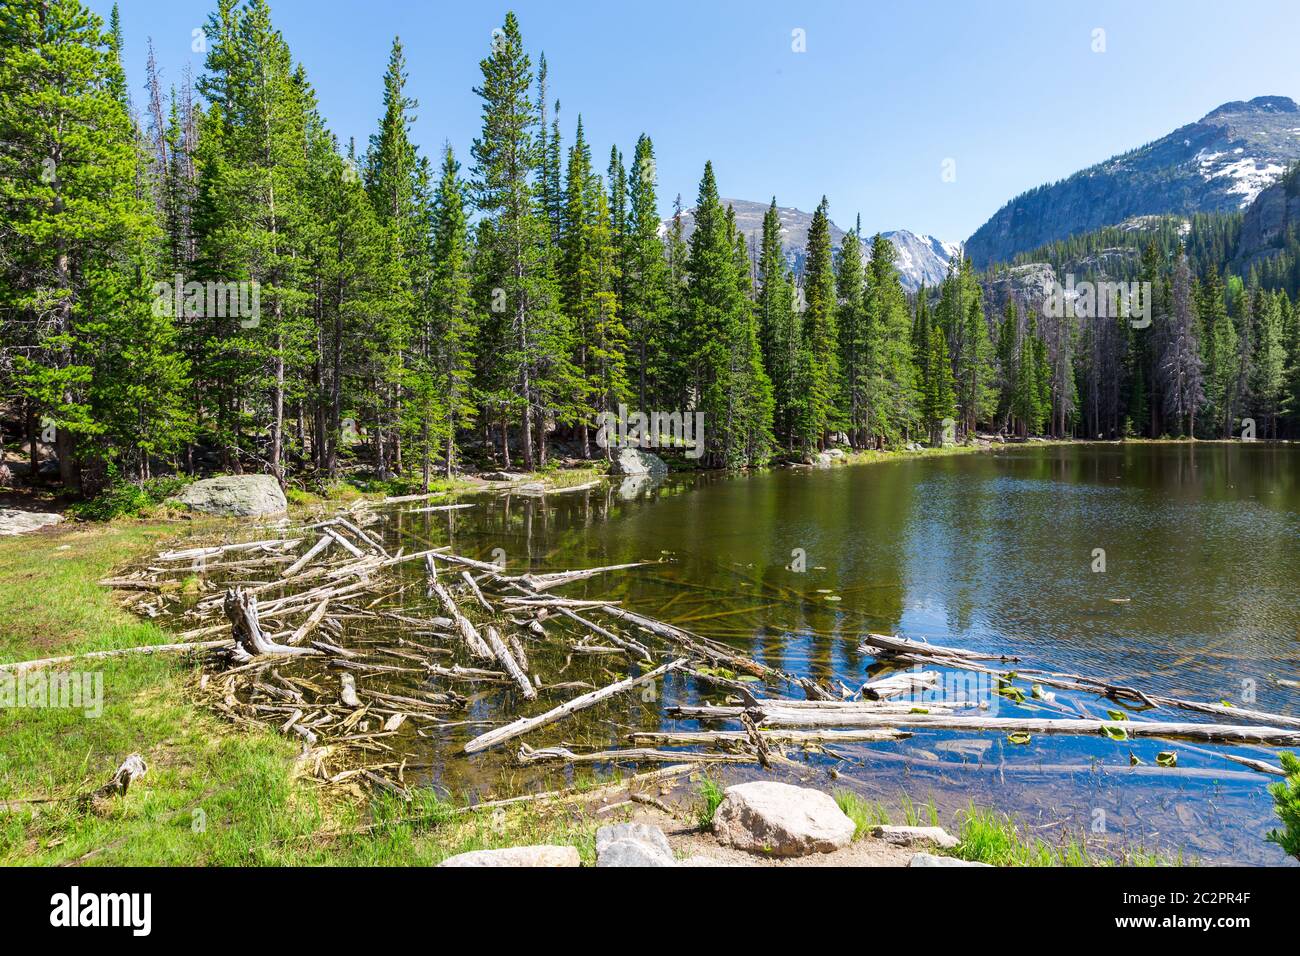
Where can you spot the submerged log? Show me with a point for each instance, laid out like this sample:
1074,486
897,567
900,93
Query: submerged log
1216,733
468,632
527,755
524,724
507,660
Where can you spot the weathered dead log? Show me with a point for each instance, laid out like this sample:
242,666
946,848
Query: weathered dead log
695,738
524,724
624,642
241,610
1215,733
322,545
21,667
544,582
507,660
309,625
474,588
527,755
905,645
554,602
901,683
477,646
192,554
345,544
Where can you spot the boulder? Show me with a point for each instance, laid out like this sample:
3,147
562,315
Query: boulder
540,855
781,820
929,859
503,476
915,836
633,844
16,521
236,496
637,461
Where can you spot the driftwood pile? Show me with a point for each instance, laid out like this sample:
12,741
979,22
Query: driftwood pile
276,626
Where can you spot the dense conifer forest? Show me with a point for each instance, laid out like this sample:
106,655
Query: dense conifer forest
204,278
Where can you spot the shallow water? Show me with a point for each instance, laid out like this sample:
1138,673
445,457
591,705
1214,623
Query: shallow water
988,551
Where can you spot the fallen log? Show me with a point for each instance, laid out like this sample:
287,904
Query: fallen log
309,625
507,660
525,724
1215,733
896,684
695,738
21,667
527,755
319,547
468,632
624,642
544,582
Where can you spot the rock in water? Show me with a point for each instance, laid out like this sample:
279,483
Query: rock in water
633,844
541,855
636,461
781,820
236,496
912,836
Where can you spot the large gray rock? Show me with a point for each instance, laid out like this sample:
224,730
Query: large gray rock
781,820
540,855
914,836
633,844
929,859
637,461
236,496
15,521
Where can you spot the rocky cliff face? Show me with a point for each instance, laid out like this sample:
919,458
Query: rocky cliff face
921,259
1221,162
1268,221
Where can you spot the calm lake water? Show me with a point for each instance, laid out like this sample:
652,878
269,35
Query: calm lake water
992,551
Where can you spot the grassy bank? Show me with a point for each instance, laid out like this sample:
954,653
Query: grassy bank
212,795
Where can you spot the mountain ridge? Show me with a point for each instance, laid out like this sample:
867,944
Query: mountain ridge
922,259
1220,162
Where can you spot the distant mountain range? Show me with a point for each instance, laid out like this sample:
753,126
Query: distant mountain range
1221,162
921,259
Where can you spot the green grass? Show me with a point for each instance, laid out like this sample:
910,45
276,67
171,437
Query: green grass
991,837
865,814
711,794
213,795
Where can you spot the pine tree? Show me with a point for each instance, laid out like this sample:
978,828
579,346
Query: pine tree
452,307
893,401
536,373
646,298
850,327
78,241
821,346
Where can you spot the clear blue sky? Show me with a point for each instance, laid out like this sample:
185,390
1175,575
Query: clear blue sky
867,115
